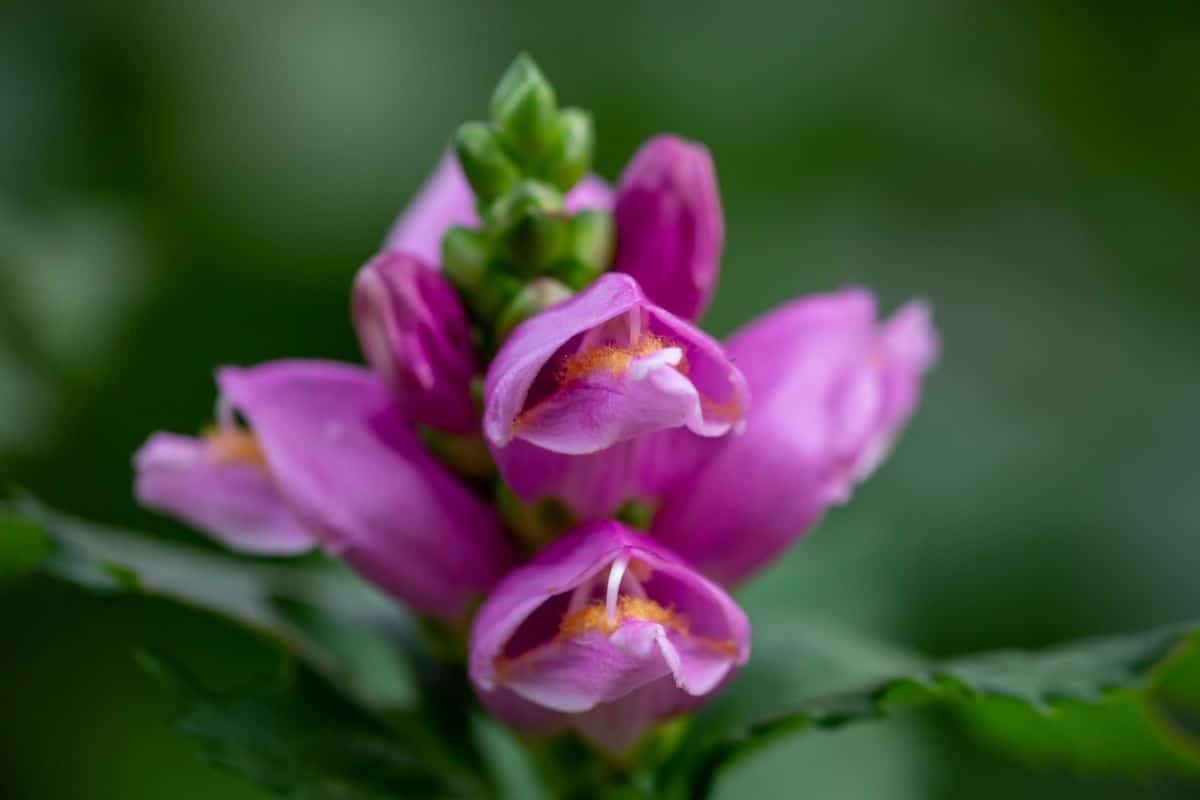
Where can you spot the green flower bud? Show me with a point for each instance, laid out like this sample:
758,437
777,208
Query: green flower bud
570,157
593,238
524,108
535,297
484,161
576,274
528,222
465,257
590,249
498,289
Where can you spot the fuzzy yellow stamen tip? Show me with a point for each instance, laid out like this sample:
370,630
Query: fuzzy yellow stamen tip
730,409
595,617
233,446
609,357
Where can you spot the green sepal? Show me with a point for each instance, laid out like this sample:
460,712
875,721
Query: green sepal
529,224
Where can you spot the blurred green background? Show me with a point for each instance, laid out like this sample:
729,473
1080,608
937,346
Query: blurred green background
189,184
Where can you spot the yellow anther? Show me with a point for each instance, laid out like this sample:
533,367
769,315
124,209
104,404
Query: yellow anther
234,446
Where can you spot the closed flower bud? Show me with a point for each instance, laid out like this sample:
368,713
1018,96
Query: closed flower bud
446,200
605,632
413,332
529,222
670,229
533,298
589,248
488,168
524,107
570,157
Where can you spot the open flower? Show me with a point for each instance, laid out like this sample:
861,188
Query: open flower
670,229
606,366
446,200
605,632
327,458
832,389
602,369
414,333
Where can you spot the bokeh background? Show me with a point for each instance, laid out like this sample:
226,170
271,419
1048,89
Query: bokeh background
184,185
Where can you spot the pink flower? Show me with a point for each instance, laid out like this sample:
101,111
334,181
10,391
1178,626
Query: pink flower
832,389
604,632
591,374
669,224
328,459
414,333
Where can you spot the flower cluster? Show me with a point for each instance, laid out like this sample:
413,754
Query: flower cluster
543,428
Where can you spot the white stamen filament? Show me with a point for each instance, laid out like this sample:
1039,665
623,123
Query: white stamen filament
615,574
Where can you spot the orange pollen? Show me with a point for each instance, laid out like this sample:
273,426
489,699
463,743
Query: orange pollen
234,446
609,357
726,409
594,617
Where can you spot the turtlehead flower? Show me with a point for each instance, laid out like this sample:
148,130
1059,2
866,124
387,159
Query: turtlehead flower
328,459
446,200
604,632
832,389
606,366
594,373
415,335
670,229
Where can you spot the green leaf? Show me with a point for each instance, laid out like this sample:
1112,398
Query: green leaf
352,634
23,546
353,708
805,675
297,736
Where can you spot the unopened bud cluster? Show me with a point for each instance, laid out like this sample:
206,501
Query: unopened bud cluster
528,252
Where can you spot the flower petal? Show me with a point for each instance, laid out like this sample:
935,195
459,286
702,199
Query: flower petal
832,390
345,460
415,335
670,229
236,502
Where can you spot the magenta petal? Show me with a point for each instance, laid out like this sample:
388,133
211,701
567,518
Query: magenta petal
582,632
237,503
346,462
415,335
604,367
446,200
592,486
670,228
832,390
